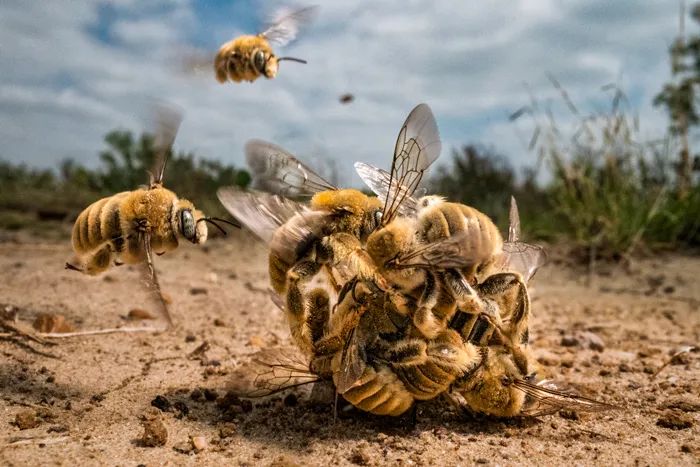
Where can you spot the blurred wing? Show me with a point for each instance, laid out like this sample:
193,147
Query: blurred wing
514,222
352,365
261,213
546,397
417,146
167,122
378,180
272,371
286,23
449,253
523,258
277,171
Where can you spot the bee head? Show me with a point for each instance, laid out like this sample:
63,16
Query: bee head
264,62
490,388
187,222
354,211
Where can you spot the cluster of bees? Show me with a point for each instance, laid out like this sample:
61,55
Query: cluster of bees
394,298
397,298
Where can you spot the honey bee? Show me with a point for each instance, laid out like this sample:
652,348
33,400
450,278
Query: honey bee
327,234
246,58
130,226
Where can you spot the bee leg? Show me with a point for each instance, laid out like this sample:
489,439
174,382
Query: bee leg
511,293
343,246
71,267
296,306
319,313
402,353
423,318
331,278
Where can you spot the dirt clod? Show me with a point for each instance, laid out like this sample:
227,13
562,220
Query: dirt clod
199,443
49,322
161,403
569,414
675,420
136,314
27,419
154,433
360,456
227,430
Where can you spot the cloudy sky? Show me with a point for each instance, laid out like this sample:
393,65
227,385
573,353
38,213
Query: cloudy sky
74,69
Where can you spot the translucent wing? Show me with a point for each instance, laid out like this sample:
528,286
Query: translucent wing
271,371
261,213
167,122
517,256
352,364
546,397
277,171
523,258
417,146
378,181
514,221
452,252
286,23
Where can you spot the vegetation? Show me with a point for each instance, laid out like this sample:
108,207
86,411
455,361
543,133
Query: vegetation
28,194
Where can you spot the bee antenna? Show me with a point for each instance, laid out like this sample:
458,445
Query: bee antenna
292,59
212,219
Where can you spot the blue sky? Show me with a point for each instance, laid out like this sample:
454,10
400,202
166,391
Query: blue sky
73,70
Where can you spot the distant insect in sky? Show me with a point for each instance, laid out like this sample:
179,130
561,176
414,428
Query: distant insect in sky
346,98
246,58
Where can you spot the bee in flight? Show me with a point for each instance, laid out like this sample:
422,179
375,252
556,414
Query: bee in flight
130,226
246,58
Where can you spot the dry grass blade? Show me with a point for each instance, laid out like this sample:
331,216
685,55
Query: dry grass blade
96,332
684,350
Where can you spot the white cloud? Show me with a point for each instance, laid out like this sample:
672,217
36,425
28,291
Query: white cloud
468,61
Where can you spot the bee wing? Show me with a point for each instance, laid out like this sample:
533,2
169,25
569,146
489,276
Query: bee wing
378,180
456,251
352,364
514,221
285,24
417,146
547,397
271,371
522,258
261,213
167,123
277,171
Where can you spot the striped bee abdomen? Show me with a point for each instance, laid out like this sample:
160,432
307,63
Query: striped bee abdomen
379,391
97,224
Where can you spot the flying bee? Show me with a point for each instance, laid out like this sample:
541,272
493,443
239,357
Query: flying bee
328,233
246,58
130,226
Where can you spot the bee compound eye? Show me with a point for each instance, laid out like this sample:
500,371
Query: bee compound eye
187,226
259,61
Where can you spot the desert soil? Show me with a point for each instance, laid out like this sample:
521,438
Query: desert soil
85,400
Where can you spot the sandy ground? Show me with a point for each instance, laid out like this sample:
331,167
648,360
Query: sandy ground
91,395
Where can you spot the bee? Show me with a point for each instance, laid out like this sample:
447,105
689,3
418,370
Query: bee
327,234
246,58
130,226
428,220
